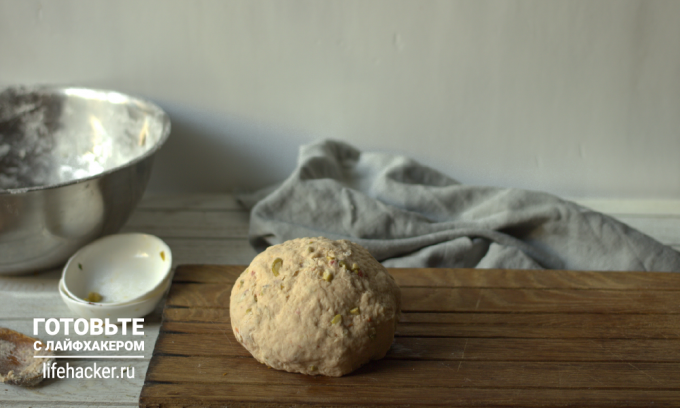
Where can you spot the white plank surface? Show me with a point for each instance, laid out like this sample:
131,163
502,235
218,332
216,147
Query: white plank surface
206,229
211,251
632,207
663,229
194,202
189,223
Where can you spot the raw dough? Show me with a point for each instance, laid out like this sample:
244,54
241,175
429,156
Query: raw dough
315,306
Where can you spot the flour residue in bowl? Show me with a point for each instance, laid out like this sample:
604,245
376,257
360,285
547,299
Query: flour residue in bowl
50,138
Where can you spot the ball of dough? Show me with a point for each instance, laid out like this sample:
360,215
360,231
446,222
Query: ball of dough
315,306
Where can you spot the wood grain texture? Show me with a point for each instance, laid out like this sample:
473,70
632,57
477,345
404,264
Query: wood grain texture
481,278
222,344
460,300
274,395
512,325
390,374
466,338
548,326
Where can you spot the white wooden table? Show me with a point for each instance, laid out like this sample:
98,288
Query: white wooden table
205,229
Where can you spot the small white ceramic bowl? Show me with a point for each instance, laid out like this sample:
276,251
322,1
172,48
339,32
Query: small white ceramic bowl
122,268
114,311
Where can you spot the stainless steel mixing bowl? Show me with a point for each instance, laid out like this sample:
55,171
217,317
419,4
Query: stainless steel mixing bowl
74,162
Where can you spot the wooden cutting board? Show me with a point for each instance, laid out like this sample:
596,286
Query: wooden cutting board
467,337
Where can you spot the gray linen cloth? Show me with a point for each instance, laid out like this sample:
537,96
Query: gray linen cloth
409,215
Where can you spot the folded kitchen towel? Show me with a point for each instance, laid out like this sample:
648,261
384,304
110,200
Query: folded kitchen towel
409,215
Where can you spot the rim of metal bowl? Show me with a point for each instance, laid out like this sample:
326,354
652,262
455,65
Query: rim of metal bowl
118,95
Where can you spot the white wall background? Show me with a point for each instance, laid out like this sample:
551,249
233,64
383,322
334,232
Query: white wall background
579,98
